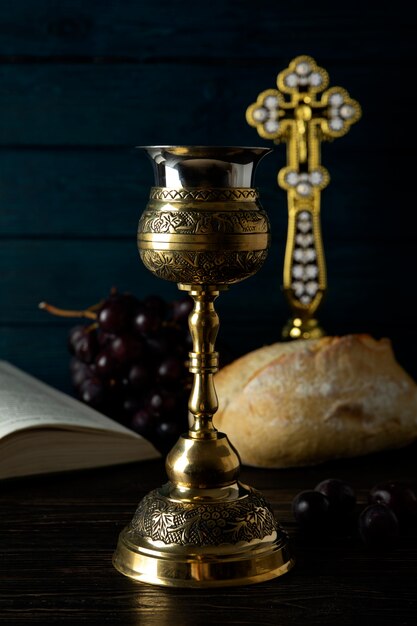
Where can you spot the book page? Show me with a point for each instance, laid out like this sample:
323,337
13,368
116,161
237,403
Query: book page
26,402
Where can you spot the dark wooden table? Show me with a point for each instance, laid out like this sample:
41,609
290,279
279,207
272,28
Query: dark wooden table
58,534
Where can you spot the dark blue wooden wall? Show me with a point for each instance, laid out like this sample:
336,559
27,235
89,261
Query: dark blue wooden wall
83,82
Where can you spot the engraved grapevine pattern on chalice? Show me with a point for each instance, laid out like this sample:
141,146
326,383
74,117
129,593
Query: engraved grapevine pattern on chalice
159,519
192,222
226,267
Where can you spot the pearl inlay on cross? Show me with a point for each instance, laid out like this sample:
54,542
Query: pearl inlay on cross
303,112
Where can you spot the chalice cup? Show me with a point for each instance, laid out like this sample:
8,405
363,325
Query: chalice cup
205,229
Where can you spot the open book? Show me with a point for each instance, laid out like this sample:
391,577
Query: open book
43,430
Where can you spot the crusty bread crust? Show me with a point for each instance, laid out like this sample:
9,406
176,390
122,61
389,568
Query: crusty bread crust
305,402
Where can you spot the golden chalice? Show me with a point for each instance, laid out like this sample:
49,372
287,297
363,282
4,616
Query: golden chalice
203,228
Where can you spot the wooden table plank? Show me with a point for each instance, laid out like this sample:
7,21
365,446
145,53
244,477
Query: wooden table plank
139,31
58,533
204,103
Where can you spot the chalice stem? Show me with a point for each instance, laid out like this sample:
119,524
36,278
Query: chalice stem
204,360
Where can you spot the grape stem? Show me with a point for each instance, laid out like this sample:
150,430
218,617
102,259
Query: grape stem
88,313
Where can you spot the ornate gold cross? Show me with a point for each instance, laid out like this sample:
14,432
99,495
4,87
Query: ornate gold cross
302,112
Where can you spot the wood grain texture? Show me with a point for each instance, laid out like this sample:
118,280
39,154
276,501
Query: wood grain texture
58,534
72,193
82,83
130,104
141,32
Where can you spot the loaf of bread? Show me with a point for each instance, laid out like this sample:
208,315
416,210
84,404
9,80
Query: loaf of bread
305,402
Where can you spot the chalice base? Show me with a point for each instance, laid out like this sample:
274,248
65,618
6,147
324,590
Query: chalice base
231,539
298,328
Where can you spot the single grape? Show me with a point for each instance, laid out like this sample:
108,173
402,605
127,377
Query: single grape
75,333
116,313
378,526
182,308
170,370
341,496
311,510
126,349
167,433
145,322
86,347
139,376
106,364
92,392
104,339
80,372
398,496
76,364
160,402
143,423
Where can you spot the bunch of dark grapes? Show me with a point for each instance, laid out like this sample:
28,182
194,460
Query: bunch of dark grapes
130,362
330,506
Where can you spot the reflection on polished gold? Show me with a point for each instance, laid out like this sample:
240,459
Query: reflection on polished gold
203,228
302,328
303,112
